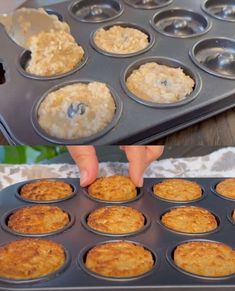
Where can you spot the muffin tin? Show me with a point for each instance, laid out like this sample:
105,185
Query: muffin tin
20,92
156,238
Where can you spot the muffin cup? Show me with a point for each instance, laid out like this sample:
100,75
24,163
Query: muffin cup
185,23
97,11
43,278
151,40
139,195
83,140
220,9
6,216
147,223
190,233
174,201
26,56
213,189
53,12
83,254
161,61
170,259
230,216
18,195
147,4
220,63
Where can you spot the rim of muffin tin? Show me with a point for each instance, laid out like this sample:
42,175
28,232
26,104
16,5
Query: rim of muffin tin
230,215
26,54
173,63
151,39
74,16
147,224
6,216
207,11
213,189
202,66
147,7
82,256
83,140
18,195
206,30
204,194
47,277
139,195
170,260
217,218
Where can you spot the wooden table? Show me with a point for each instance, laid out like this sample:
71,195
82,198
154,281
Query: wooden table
216,131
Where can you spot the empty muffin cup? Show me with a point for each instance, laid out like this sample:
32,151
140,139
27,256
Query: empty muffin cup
220,9
25,57
193,255
82,259
148,4
160,83
140,230
180,23
37,200
109,52
216,56
96,11
6,217
79,111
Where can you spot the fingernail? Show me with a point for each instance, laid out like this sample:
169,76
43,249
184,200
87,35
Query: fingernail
83,178
141,182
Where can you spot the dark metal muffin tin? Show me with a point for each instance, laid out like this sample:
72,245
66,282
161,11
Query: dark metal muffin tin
156,238
19,93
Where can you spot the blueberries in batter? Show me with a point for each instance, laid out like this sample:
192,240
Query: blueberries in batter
76,109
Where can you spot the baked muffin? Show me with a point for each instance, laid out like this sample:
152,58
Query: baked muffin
233,215
226,188
189,220
121,40
38,219
76,111
177,190
46,190
113,188
119,259
159,83
53,53
30,258
116,220
205,258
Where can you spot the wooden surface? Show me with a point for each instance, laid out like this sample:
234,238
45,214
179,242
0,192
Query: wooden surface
216,131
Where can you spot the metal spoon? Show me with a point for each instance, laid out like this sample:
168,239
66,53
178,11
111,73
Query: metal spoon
23,23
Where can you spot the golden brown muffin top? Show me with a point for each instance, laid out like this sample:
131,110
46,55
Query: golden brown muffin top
46,190
116,219
30,258
233,215
205,258
226,188
177,190
38,219
113,188
119,259
189,219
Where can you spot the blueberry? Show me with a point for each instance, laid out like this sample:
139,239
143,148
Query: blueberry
76,109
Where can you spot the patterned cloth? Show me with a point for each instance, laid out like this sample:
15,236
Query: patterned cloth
220,163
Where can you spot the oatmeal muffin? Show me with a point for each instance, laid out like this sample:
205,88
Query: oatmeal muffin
30,258
46,190
233,215
38,219
160,83
53,53
177,190
116,220
189,220
119,259
226,188
113,188
205,258
76,111
121,40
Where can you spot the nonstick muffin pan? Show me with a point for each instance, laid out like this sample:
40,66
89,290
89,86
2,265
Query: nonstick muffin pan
21,94
78,239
